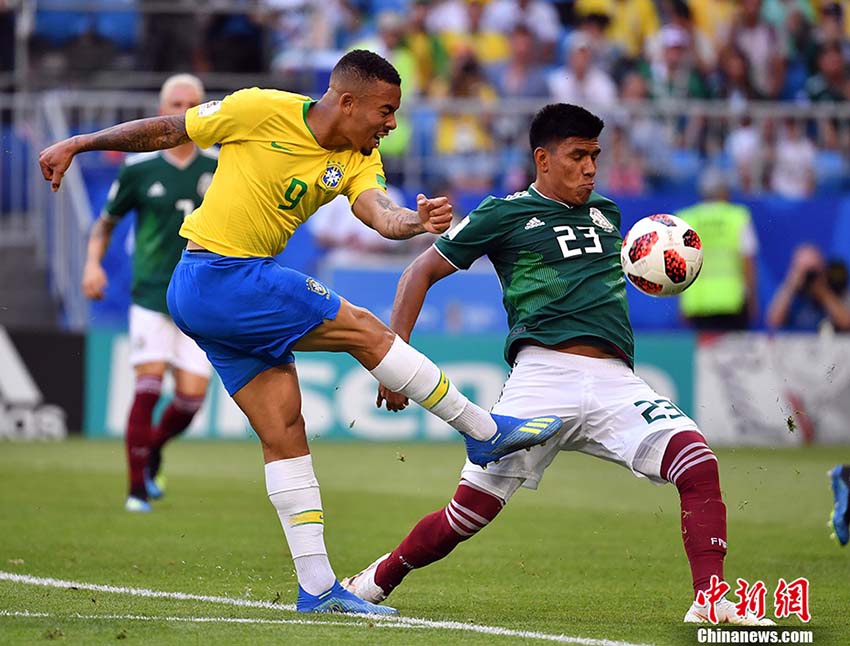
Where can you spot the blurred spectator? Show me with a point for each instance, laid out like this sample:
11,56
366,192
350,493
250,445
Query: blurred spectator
765,51
832,29
674,76
797,28
714,18
733,81
632,21
521,76
306,35
830,81
725,297
428,51
702,48
389,42
490,46
607,54
745,147
793,169
829,85
580,82
621,169
464,139
170,41
648,135
538,16
813,294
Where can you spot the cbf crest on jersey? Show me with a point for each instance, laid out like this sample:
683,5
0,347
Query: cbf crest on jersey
600,220
332,177
316,287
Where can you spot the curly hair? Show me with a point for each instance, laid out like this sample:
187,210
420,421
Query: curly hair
363,65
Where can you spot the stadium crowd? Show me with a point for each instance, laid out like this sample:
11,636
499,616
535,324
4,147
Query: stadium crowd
611,55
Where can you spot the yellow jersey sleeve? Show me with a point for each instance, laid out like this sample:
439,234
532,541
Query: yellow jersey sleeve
369,175
235,118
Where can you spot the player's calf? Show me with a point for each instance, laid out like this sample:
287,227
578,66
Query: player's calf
691,466
470,510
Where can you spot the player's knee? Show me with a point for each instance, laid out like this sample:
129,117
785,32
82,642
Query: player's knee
370,334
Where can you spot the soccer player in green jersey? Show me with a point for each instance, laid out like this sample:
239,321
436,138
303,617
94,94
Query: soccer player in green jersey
556,250
162,187
283,155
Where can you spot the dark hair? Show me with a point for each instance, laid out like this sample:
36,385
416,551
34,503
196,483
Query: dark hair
363,65
558,121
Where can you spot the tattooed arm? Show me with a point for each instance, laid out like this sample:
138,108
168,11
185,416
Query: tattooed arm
156,133
375,209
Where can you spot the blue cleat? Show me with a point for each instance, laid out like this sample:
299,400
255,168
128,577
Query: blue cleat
512,434
338,599
840,519
155,487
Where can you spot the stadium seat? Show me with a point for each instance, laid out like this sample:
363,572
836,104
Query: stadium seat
120,27
58,28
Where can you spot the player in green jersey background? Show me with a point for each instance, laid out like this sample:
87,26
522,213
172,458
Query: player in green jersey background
556,250
162,187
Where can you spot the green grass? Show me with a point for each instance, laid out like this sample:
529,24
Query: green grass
594,553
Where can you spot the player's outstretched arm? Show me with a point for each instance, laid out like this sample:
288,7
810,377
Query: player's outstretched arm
142,135
94,276
377,210
428,268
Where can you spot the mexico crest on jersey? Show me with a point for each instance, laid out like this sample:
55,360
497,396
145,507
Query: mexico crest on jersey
600,220
332,176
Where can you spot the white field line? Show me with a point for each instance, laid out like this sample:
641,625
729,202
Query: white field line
196,620
391,621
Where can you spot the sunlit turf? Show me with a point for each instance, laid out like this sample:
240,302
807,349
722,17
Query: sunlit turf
594,553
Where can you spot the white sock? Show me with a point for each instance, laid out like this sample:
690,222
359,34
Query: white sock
407,371
294,492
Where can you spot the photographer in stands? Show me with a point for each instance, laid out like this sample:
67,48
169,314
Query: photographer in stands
813,294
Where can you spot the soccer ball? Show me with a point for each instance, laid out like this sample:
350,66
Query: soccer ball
661,255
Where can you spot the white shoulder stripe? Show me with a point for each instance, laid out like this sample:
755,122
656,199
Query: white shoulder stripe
138,158
211,152
437,249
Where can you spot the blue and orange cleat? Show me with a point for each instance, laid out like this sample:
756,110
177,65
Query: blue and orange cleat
512,434
338,599
840,520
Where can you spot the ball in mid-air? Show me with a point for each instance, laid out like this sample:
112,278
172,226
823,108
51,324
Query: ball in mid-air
661,255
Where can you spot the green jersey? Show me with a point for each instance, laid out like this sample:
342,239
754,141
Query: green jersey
162,194
559,267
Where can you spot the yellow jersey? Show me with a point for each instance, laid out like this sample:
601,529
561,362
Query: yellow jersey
272,173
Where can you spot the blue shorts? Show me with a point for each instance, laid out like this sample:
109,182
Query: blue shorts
245,313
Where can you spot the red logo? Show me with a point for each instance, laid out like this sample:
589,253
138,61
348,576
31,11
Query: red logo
792,599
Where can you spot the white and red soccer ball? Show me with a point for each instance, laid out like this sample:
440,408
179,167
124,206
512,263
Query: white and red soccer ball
661,255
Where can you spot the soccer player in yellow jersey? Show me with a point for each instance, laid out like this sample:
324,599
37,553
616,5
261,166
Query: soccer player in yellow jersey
282,156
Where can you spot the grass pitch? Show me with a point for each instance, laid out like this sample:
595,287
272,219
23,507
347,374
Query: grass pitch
594,554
